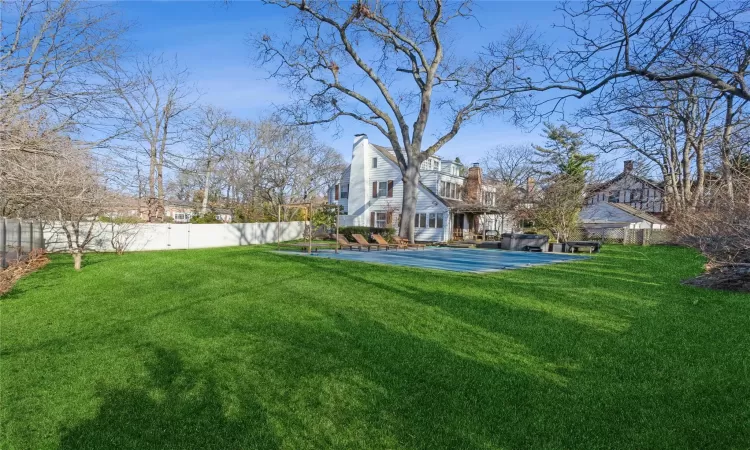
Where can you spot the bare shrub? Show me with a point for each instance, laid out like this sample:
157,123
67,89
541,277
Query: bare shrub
721,232
17,270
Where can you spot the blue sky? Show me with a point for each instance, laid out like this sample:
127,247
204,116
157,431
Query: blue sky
210,39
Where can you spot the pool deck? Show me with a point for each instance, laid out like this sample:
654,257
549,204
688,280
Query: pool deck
452,259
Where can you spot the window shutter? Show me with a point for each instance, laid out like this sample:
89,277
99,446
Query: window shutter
390,188
336,193
374,189
372,219
389,218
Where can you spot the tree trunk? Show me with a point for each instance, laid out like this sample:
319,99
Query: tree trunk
206,179
726,153
152,203
409,205
700,171
77,258
160,186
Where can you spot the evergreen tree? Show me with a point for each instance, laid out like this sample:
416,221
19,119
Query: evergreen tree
562,153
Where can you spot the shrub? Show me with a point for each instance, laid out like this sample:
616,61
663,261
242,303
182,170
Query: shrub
387,233
209,217
17,270
120,219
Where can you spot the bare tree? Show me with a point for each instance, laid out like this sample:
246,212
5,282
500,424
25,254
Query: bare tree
295,166
69,193
212,136
387,66
258,166
616,42
154,97
50,52
673,125
122,234
720,230
509,165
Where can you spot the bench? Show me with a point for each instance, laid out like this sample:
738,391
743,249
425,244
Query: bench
592,246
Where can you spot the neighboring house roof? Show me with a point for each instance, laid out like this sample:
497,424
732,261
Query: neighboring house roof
614,180
638,213
619,213
387,152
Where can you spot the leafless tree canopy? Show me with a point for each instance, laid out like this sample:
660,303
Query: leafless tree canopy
50,52
616,42
258,167
153,97
509,165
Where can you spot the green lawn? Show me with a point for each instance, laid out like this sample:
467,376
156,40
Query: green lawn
242,348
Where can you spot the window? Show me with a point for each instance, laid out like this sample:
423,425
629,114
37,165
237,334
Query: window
380,219
420,220
179,216
450,190
432,220
614,197
439,221
374,163
636,195
344,191
383,189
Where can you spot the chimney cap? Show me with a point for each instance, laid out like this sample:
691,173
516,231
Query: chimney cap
476,164
360,134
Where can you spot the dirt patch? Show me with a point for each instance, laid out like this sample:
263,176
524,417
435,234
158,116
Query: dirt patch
727,278
17,270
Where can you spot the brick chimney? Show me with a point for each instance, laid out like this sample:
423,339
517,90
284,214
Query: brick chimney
474,184
628,167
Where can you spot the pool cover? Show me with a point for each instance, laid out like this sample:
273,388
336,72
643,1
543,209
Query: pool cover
454,259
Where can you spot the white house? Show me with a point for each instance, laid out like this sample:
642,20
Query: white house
630,189
605,215
452,202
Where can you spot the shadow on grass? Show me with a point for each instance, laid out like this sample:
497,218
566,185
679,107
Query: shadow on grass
271,351
177,409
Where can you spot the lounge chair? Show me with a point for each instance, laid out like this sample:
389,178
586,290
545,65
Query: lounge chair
344,243
405,242
363,242
380,240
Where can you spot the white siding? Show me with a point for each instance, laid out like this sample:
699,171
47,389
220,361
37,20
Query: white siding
360,175
604,215
343,181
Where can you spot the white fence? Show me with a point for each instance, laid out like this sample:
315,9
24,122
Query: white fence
170,236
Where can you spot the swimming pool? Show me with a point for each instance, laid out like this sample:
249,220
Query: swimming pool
453,259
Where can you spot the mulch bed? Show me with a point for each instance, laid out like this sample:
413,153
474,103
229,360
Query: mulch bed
17,270
727,278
